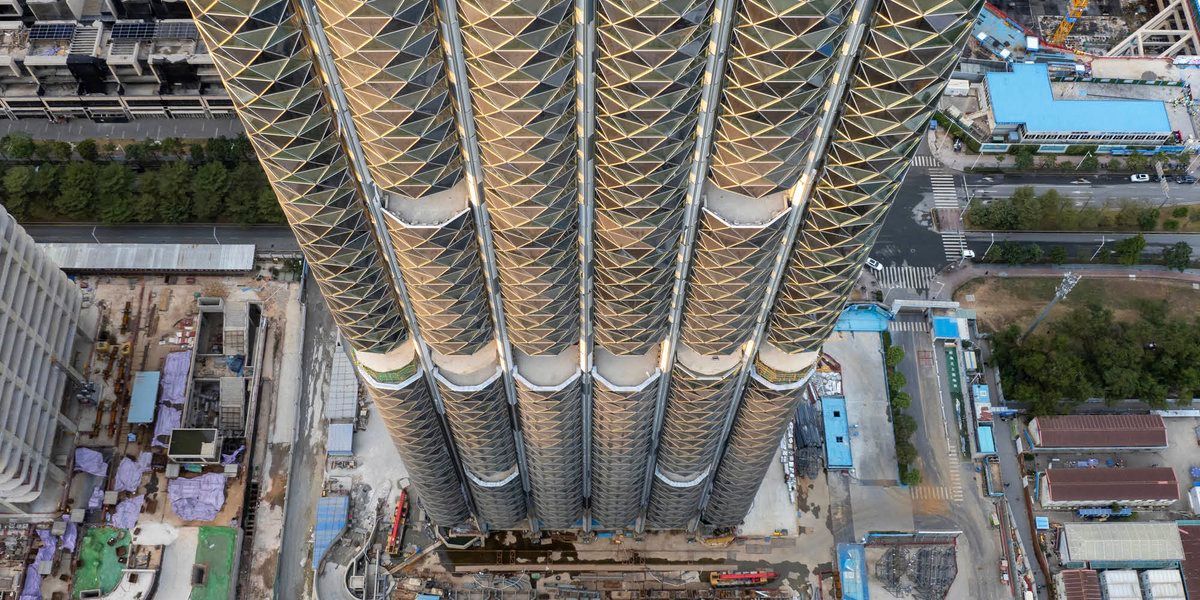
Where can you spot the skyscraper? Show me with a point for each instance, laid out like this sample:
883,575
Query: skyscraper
39,322
586,252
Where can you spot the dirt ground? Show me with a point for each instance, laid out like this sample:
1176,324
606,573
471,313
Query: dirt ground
999,302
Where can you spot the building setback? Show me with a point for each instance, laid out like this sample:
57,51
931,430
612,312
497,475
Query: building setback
38,325
1088,432
1080,488
585,253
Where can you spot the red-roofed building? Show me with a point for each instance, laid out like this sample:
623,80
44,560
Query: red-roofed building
1090,432
1078,584
1082,488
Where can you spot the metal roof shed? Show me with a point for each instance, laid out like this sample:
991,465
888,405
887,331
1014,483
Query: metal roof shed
340,440
342,402
332,514
1121,545
144,397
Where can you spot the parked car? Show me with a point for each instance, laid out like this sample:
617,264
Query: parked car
1185,180
874,264
1139,177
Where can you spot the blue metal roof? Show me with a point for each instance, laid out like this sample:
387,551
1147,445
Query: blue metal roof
987,442
1024,97
837,433
863,317
945,328
144,397
331,518
852,563
981,393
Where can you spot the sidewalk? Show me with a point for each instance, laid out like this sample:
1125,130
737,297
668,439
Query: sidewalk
956,277
155,129
941,146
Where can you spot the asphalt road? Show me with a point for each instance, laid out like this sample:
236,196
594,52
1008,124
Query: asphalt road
277,238
907,238
1083,189
306,473
936,441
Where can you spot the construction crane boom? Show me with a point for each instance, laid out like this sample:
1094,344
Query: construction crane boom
1064,28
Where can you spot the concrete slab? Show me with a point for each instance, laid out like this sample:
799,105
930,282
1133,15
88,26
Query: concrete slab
872,442
772,508
175,576
880,509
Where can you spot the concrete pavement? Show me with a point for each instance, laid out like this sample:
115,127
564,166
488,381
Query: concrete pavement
946,283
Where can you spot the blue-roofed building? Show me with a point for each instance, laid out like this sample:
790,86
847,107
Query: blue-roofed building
1023,104
144,397
948,328
985,439
852,565
837,433
332,513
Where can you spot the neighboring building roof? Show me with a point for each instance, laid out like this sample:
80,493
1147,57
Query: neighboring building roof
1080,584
1100,431
947,328
837,433
1189,535
341,439
342,401
1023,96
1112,484
144,396
1121,542
332,513
987,442
852,564
152,258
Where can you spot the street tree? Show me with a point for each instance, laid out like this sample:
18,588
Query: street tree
1177,256
210,183
1130,249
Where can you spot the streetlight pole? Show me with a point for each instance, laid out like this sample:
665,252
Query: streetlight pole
215,235
94,235
1064,287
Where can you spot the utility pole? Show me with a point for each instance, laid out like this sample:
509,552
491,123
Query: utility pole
1064,287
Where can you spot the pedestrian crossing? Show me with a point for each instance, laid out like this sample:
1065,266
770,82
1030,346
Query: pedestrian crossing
915,326
930,492
913,278
945,192
945,198
925,161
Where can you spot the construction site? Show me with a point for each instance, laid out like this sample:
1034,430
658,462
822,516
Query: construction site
165,406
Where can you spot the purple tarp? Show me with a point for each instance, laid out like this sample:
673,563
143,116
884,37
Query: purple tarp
49,545
96,500
126,514
90,461
129,473
33,585
175,376
70,535
229,459
199,498
168,420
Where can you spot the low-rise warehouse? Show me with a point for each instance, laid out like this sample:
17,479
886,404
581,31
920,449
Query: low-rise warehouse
1082,488
1091,432
1024,107
1120,545
1077,584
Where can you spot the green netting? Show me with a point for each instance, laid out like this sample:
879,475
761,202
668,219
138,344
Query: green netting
99,568
214,551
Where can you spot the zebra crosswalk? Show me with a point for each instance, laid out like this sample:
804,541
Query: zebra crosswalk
913,278
917,326
945,198
921,160
945,192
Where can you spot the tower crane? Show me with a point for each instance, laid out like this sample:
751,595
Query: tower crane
1064,28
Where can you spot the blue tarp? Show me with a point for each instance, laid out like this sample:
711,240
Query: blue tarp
837,433
331,519
1023,97
987,443
852,564
145,395
863,317
1042,523
945,328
